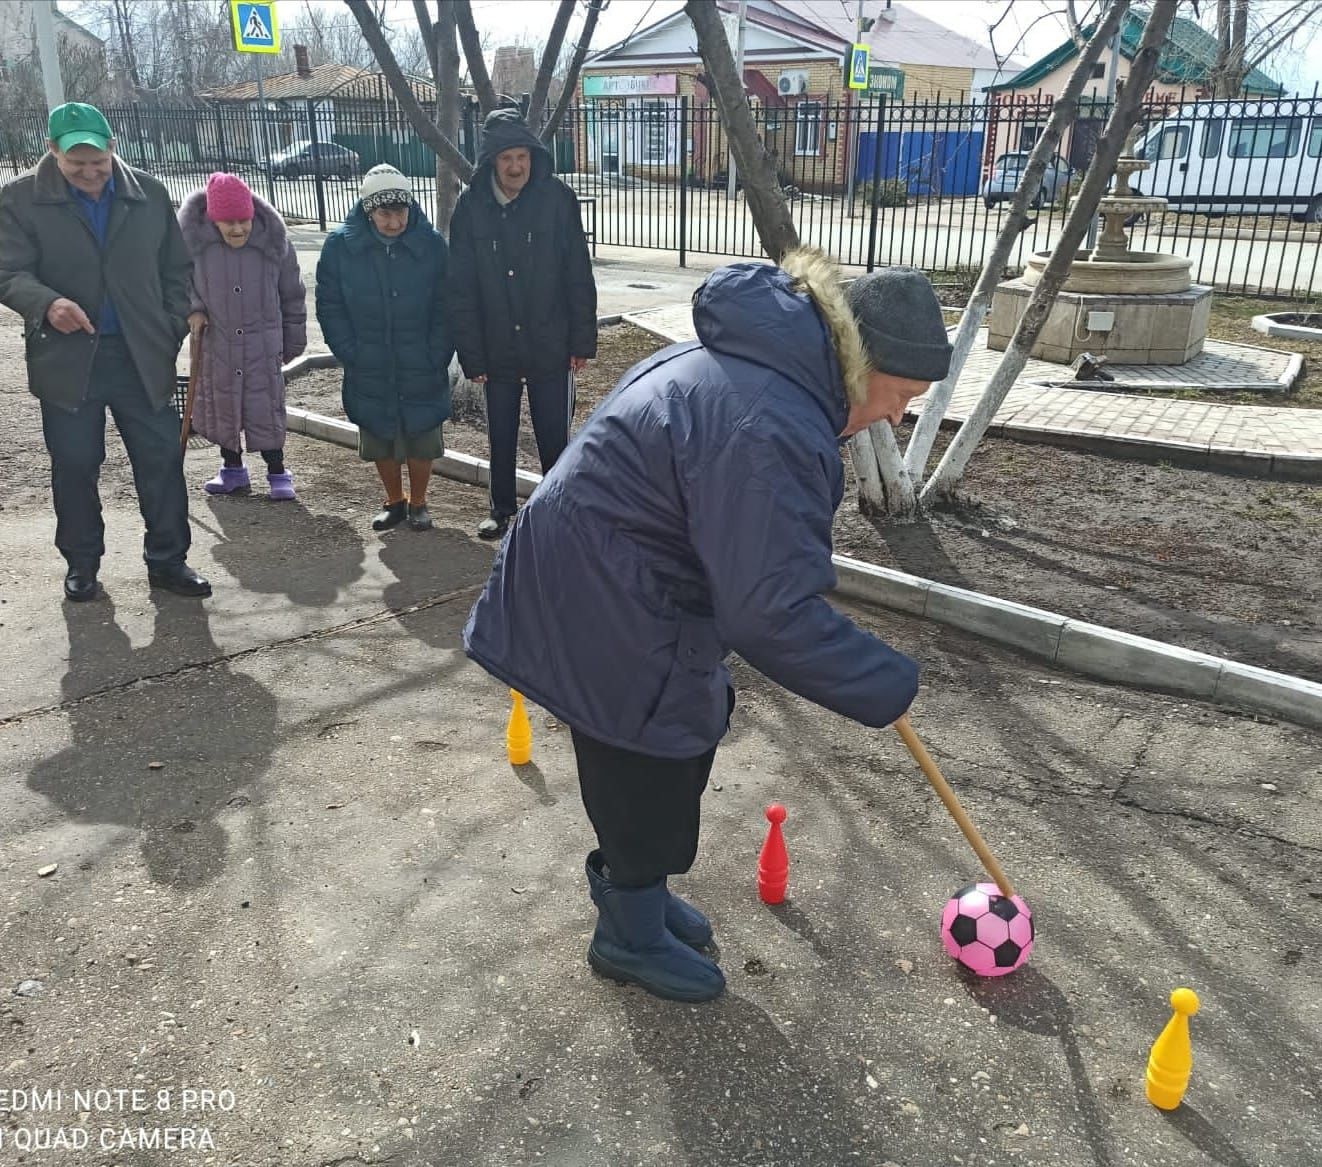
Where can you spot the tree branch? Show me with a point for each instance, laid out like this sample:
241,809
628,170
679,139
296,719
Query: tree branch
477,63
428,36
1313,13
403,91
550,54
575,66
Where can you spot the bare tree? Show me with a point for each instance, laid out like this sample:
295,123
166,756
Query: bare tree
766,199
1250,33
439,137
1062,115
1124,116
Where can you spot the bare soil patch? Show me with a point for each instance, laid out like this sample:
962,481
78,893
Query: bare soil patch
1209,561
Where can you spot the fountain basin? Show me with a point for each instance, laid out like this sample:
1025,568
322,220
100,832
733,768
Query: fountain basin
1164,328
1143,272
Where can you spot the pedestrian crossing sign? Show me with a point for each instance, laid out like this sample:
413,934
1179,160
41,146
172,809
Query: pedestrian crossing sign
255,26
857,61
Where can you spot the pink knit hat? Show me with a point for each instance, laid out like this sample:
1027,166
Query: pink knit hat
228,198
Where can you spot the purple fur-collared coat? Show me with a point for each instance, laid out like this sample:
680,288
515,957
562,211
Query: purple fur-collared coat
256,308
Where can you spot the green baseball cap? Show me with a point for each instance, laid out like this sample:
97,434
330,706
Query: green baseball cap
75,124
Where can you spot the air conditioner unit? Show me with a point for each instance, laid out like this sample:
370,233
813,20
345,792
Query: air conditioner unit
792,81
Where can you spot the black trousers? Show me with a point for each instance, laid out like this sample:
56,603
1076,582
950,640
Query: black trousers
274,459
644,809
76,442
548,403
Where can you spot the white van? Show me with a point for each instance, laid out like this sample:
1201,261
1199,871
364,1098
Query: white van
1238,158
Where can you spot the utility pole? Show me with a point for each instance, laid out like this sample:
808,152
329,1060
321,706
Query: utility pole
43,18
853,126
739,69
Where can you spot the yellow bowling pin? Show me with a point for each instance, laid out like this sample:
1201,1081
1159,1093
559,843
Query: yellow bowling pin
518,733
1171,1061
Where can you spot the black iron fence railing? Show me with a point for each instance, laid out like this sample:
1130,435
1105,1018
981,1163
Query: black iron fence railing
874,183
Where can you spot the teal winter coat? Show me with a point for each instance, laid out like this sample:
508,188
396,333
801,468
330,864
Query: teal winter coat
380,309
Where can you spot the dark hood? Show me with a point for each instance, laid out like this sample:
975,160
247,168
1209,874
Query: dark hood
505,129
752,311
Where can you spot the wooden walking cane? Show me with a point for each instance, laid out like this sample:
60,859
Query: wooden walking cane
962,820
194,366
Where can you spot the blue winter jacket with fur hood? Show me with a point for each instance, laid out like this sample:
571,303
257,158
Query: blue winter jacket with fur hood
691,517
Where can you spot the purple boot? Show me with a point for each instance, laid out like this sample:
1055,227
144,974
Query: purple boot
230,480
282,486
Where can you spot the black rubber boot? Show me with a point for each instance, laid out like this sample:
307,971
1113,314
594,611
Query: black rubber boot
632,943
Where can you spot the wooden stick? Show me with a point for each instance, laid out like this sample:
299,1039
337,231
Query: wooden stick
962,820
194,365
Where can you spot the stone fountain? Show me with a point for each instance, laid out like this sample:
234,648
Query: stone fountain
1133,307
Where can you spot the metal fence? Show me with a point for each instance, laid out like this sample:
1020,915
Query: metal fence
927,184
874,183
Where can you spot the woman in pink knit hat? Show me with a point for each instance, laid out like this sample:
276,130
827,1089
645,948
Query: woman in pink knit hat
249,312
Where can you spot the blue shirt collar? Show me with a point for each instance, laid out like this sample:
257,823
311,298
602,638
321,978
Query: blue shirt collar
107,192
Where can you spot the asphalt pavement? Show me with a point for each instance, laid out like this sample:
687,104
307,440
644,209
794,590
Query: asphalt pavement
293,867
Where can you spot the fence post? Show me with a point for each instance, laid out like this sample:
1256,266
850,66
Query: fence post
220,138
683,179
876,181
318,176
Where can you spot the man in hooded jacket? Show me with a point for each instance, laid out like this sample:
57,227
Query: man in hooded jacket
690,518
522,302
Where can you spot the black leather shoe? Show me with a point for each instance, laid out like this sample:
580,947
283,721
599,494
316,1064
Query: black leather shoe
420,518
80,584
394,514
181,580
493,528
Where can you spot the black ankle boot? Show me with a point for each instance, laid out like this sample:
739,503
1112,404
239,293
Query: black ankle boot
394,514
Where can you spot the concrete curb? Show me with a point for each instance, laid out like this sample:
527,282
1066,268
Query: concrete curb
1086,648
1090,649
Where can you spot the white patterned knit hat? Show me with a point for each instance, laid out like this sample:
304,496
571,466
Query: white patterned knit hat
384,186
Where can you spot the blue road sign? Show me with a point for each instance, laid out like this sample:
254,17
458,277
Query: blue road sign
255,27
859,58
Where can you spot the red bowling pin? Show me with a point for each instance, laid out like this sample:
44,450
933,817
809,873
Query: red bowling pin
773,865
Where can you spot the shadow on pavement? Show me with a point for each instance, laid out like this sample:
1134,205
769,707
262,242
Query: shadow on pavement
285,549
740,1091
164,758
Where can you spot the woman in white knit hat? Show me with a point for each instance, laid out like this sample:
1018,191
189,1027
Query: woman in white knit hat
379,283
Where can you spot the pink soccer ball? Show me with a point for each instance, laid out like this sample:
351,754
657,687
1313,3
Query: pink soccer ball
987,932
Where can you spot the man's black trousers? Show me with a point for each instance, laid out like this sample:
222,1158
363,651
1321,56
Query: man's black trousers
76,442
549,404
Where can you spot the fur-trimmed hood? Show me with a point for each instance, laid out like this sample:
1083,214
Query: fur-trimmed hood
816,274
269,234
794,319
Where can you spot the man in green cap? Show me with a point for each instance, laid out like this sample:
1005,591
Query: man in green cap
92,258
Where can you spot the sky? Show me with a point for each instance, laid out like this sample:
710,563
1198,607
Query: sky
528,20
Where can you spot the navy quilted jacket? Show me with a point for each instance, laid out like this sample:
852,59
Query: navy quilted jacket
691,517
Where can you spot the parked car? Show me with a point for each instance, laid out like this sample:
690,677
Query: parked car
1237,158
1009,169
329,159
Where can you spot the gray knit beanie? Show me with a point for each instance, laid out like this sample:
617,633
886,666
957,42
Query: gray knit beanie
900,321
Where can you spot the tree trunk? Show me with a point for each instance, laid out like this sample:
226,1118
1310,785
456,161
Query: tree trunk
550,55
447,110
871,493
1062,115
766,200
473,55
575,67
427,129
1123,117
